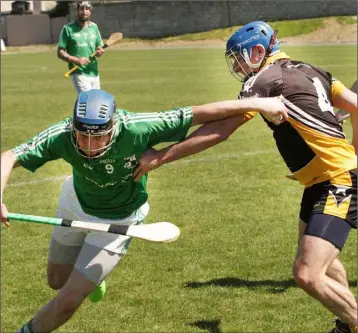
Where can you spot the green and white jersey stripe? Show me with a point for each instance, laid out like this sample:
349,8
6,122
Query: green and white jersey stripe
105,186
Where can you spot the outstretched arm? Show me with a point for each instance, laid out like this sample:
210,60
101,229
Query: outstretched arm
203,138
342,114
347,101
271,108
8,162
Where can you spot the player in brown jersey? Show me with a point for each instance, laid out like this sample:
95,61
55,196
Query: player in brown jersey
314,147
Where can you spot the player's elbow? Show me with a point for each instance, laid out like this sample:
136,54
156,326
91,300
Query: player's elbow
220,137
59,54
8,158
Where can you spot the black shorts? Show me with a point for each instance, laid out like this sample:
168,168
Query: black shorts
330,208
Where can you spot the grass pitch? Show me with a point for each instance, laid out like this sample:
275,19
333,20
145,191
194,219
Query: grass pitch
230,271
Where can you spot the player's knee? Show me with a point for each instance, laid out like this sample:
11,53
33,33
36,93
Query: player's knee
55,279
304,276
55,282
58,274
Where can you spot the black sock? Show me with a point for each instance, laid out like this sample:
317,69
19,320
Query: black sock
27,328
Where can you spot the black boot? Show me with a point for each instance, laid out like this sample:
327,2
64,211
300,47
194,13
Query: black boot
341,327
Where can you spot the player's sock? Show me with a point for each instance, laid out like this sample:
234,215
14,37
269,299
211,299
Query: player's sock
27,328
342,327
98,294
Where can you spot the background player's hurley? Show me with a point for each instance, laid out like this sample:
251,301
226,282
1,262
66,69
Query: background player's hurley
113,38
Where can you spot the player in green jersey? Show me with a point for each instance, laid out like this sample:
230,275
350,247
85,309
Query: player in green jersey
78,40
103,145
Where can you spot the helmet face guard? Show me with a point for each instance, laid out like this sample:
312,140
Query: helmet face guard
93,136
236,60
94,118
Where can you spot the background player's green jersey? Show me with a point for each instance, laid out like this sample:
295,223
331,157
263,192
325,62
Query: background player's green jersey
81,42
105,186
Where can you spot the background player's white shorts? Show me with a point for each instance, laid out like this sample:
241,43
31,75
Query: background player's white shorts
69,208
85,82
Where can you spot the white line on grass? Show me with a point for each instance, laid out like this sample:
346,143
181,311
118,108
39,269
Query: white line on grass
217,158
37,181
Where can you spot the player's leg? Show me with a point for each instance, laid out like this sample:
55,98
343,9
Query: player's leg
99,255
60,263
336,270
96,83
92,266
66,243
330,211
113,243
313,258
81,82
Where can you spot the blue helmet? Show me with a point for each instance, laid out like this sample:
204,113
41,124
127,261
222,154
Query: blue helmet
240,44
94,115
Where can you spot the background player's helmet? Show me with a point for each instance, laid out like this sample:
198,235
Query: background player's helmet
84,4
240,44
94,115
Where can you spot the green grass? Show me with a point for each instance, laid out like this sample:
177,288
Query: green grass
347,19
230,271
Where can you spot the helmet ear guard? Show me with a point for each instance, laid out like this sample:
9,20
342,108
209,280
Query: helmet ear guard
247,57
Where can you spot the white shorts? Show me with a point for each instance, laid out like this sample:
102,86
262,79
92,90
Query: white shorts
85,82
69,208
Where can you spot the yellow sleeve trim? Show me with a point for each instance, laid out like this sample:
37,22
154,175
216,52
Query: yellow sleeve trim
337,88
250,115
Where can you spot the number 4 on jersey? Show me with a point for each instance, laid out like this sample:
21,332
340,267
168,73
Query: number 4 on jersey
323,101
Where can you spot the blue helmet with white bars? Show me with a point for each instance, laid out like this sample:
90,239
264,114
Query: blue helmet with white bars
94,114
240,44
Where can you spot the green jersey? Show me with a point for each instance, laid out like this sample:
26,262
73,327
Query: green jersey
104,186
81,42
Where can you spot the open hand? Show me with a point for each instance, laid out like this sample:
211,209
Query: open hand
150,160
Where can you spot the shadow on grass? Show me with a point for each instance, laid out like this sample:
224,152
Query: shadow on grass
231,282
211,326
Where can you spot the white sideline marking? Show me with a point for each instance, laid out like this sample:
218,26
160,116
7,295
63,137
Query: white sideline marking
37,181
220,157
180,162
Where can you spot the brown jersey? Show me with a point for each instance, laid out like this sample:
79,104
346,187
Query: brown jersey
311,142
